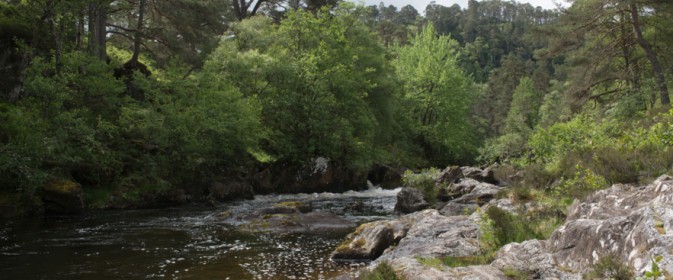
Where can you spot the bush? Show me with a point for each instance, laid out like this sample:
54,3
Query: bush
424,181
610,267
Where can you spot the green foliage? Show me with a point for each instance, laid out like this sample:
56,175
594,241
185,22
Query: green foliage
383,271
425,182
438,97
582,183
487,237
508,228
655,272
323,85
610,267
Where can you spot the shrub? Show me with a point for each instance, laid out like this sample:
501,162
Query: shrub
610,267
424,181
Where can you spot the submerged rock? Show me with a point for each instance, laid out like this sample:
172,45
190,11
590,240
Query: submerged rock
296,222
410,200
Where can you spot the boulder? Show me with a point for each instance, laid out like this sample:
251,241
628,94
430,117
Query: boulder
633,224
481,193
463,186
410,200
411,269
455,209
63,197
219,192
385,176
449,175
530,258
368,241
295,222
486,175
434,235
507,205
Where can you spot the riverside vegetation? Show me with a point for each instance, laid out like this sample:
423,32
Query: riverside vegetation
123,104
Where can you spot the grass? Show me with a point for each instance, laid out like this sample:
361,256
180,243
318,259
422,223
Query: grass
383,271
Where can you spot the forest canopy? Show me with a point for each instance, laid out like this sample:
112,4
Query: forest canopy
140,98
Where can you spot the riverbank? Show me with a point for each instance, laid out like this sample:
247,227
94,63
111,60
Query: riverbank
621,232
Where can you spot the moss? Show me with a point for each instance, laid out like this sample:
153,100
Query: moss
431,262
659,226
63,186
359,243
467,260
290,204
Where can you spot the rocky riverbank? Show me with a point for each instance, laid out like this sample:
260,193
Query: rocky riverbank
624,228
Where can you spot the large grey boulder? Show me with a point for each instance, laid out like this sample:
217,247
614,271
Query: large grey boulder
475,192
369,241
634,224
456,209
530,258
482,175
410,200
434,235
411,269
449,175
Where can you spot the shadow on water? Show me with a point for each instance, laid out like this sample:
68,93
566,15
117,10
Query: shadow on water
180,243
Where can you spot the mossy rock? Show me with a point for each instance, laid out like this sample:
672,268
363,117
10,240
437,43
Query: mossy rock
63,197
301,206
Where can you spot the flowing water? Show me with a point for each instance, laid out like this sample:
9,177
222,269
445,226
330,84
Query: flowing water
187,242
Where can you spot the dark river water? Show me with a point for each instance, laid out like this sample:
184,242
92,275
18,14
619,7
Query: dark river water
187,242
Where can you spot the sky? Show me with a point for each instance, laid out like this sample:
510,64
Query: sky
421,4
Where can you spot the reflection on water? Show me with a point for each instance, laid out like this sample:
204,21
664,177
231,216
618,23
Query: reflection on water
180,243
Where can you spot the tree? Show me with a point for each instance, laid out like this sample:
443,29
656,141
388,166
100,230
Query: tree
322,80
437,97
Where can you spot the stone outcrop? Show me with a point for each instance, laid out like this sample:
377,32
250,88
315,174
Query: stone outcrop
63,197
635,224
411,269
434,235
410,200
631,224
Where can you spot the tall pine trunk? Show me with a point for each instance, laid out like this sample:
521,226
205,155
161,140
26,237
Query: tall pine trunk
651,56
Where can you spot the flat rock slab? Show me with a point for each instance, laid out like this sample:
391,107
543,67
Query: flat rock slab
435,235
298,223
409,268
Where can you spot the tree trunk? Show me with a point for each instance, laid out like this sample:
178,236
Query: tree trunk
133,63
651,56
97,30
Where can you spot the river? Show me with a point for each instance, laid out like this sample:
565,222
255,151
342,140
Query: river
187,242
